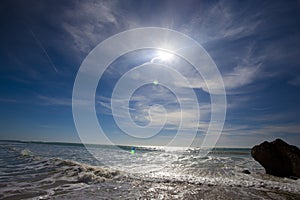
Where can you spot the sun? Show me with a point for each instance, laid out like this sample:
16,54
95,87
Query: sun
165,56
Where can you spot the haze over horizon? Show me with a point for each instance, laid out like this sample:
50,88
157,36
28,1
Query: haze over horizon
254,44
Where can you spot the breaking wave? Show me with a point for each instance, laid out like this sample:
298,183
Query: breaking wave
27,172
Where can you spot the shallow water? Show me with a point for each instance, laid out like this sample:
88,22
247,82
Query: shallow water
64,171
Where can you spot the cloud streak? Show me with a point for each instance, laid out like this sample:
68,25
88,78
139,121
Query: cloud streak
89,22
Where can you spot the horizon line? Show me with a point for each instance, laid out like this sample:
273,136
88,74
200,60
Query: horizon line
125,145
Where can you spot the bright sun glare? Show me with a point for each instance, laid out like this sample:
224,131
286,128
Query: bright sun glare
165,56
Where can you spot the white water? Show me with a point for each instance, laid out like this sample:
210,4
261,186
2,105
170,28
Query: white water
47,170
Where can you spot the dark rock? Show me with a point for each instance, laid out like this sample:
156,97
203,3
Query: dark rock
293,177
246,171
278,158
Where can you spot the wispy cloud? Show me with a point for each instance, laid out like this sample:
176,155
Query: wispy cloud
6,100
220,21
240,76
89,22
240,37
263,130
54,101
173,96
40,100
295,81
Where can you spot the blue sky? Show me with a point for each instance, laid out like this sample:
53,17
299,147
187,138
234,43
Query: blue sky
255,44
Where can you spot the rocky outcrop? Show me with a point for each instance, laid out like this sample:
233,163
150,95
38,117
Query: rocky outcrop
278,158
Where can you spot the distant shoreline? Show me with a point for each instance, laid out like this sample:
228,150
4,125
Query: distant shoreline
119,145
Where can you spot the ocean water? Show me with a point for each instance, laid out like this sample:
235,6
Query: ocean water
69,171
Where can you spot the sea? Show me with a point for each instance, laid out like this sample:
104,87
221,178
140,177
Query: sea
37,170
